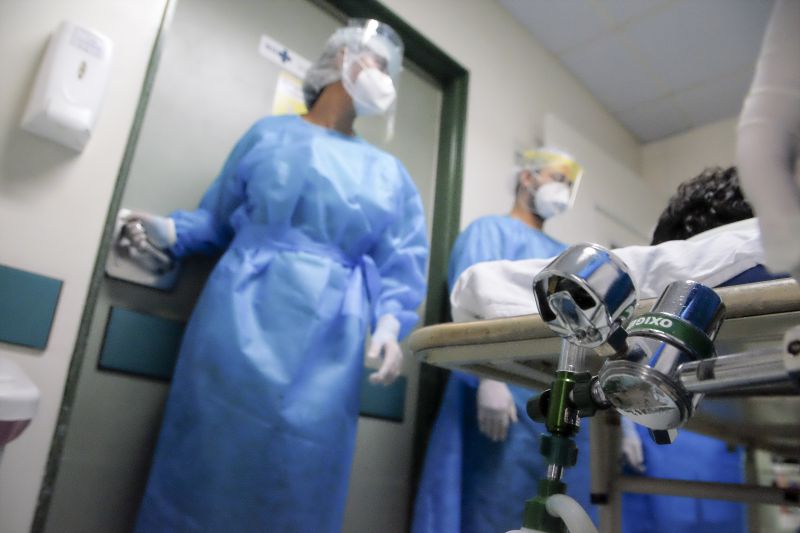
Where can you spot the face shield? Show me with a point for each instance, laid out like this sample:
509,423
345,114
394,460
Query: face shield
555,177
371,64
363,46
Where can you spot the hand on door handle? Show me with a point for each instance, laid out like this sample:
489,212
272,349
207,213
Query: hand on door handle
146,239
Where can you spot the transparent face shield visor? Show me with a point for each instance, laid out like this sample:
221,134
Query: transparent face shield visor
371,67
549,167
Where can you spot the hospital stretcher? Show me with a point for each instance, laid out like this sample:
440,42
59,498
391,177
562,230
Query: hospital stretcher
525,351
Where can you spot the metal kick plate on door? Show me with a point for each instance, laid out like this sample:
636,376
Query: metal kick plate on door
121,265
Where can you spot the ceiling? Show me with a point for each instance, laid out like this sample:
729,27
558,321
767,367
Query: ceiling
660,67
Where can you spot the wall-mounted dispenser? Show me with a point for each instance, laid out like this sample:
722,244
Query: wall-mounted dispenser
69,86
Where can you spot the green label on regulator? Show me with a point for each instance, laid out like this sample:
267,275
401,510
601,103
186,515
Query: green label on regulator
672,326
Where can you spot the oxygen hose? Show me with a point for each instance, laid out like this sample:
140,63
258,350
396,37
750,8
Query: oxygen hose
569,511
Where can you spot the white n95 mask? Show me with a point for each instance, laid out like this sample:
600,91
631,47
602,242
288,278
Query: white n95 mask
551,199
373,91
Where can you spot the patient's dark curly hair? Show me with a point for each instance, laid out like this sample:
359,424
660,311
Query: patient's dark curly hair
709,200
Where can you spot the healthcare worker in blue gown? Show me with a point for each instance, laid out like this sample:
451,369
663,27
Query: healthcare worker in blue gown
322,237
482,462
709,201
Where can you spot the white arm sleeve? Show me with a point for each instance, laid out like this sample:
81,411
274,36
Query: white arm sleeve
768,135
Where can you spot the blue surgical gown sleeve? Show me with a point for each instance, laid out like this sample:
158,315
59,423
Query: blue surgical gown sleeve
496,238
207,230
483,240
400,255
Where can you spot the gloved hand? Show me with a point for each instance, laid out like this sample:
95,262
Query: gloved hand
160,231
496,409
632,445
384,341
146,239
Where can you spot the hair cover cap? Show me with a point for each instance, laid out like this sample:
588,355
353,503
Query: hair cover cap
359,36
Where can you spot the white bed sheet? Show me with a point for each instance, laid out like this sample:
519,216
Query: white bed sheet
496,289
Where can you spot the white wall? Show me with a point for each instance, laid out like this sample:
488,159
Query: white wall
671,161
514,82
613,207
53,203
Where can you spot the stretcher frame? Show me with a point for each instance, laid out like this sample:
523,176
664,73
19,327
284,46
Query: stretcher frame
524,351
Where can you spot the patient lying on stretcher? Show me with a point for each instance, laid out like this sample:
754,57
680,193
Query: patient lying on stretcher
722,247
706,234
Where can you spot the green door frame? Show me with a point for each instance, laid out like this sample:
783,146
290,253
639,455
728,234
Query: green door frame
453,79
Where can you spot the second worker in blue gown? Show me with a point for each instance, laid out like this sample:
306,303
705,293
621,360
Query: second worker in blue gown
483,459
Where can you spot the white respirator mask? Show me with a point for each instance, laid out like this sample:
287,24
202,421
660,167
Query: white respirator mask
551,199
372,91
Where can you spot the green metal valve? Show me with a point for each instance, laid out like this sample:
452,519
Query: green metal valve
584,397
537,406
561,413
558,450
536,515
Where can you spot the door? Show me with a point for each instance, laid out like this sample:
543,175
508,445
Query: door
211,83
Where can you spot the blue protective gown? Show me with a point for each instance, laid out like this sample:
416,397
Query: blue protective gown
691,457
469,483
321,233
